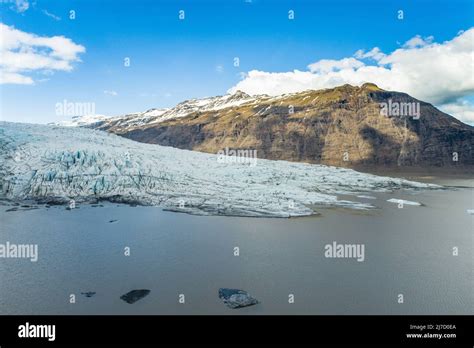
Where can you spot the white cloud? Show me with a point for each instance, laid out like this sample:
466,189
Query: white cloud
418,41
242,75
13,78
53,16
112,93
20,6
325,66
439,73
219,69
462,109
25,53
375,54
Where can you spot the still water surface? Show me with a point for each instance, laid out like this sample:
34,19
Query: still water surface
408,251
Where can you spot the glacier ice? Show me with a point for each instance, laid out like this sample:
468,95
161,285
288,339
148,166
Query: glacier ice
403,202
47,162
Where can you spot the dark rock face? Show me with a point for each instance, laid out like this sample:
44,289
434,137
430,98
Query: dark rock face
134,295
342,126
235,298
88,293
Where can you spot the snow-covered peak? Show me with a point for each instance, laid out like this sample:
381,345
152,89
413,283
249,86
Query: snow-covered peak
153,116
137,119
154,112
183,109
82,121
209,104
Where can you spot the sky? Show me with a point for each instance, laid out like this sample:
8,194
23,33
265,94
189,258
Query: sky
49,54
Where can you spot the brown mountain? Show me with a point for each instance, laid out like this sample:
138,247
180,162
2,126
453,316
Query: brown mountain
344,126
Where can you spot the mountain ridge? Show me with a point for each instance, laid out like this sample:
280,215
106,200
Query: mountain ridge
341,126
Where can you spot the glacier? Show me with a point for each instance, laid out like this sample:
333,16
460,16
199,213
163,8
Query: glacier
48,163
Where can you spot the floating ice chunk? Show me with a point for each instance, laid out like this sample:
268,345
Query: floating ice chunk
88,293
366,197
402,201
235,298
470,211
135,295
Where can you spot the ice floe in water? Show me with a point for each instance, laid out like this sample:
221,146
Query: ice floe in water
235,298
404,202
366,197
134,295
59,164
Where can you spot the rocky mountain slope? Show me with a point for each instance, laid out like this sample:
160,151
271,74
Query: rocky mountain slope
342,126
54,164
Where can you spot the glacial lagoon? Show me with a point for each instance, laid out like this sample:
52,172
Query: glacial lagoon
81,251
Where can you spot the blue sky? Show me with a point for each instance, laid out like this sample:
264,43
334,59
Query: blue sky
173,60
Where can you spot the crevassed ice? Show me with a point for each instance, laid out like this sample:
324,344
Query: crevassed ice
39,162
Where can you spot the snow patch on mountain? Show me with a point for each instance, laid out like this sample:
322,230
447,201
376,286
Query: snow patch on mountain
82,121
44,162
153,116
206,104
